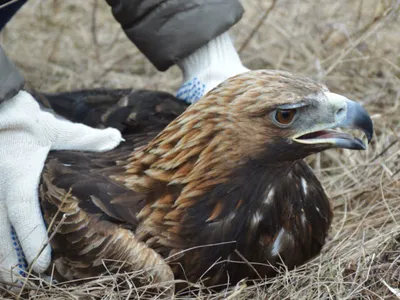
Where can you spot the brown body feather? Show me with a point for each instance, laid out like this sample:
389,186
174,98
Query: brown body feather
183,201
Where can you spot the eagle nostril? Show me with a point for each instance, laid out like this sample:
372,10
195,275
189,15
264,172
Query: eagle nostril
340,114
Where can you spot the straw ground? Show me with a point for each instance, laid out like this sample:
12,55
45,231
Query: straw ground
352,46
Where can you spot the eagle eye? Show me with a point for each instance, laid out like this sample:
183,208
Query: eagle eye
284,116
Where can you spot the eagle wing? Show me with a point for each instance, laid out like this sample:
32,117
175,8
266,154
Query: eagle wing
90,214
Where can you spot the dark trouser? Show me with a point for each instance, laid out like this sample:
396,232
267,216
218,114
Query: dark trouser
8,11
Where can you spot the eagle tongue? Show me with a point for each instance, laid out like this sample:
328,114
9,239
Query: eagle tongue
326,134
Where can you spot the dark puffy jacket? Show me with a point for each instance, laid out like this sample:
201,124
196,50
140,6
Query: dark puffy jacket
164,30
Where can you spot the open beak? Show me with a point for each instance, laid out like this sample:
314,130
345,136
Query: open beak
352,116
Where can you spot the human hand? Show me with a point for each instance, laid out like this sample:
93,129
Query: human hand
27,134
207,67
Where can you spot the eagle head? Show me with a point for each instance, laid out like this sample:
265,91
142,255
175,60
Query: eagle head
283,115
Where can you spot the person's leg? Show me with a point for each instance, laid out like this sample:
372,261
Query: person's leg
8,11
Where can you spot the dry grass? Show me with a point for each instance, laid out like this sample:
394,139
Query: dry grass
353,46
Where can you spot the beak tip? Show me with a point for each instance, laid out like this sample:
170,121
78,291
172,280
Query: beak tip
368,127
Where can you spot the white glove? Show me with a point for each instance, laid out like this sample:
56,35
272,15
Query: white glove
207,67
27,134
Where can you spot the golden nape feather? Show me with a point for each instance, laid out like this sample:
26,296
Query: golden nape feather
201,193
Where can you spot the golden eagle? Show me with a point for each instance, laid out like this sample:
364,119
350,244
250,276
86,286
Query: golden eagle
200,191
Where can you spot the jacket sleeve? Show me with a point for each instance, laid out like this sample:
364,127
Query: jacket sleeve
166,31
11,80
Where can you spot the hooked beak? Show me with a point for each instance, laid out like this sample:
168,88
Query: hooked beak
348,114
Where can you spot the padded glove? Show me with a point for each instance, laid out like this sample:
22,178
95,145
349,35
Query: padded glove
27,134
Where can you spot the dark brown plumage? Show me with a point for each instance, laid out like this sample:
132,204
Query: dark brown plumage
225,177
